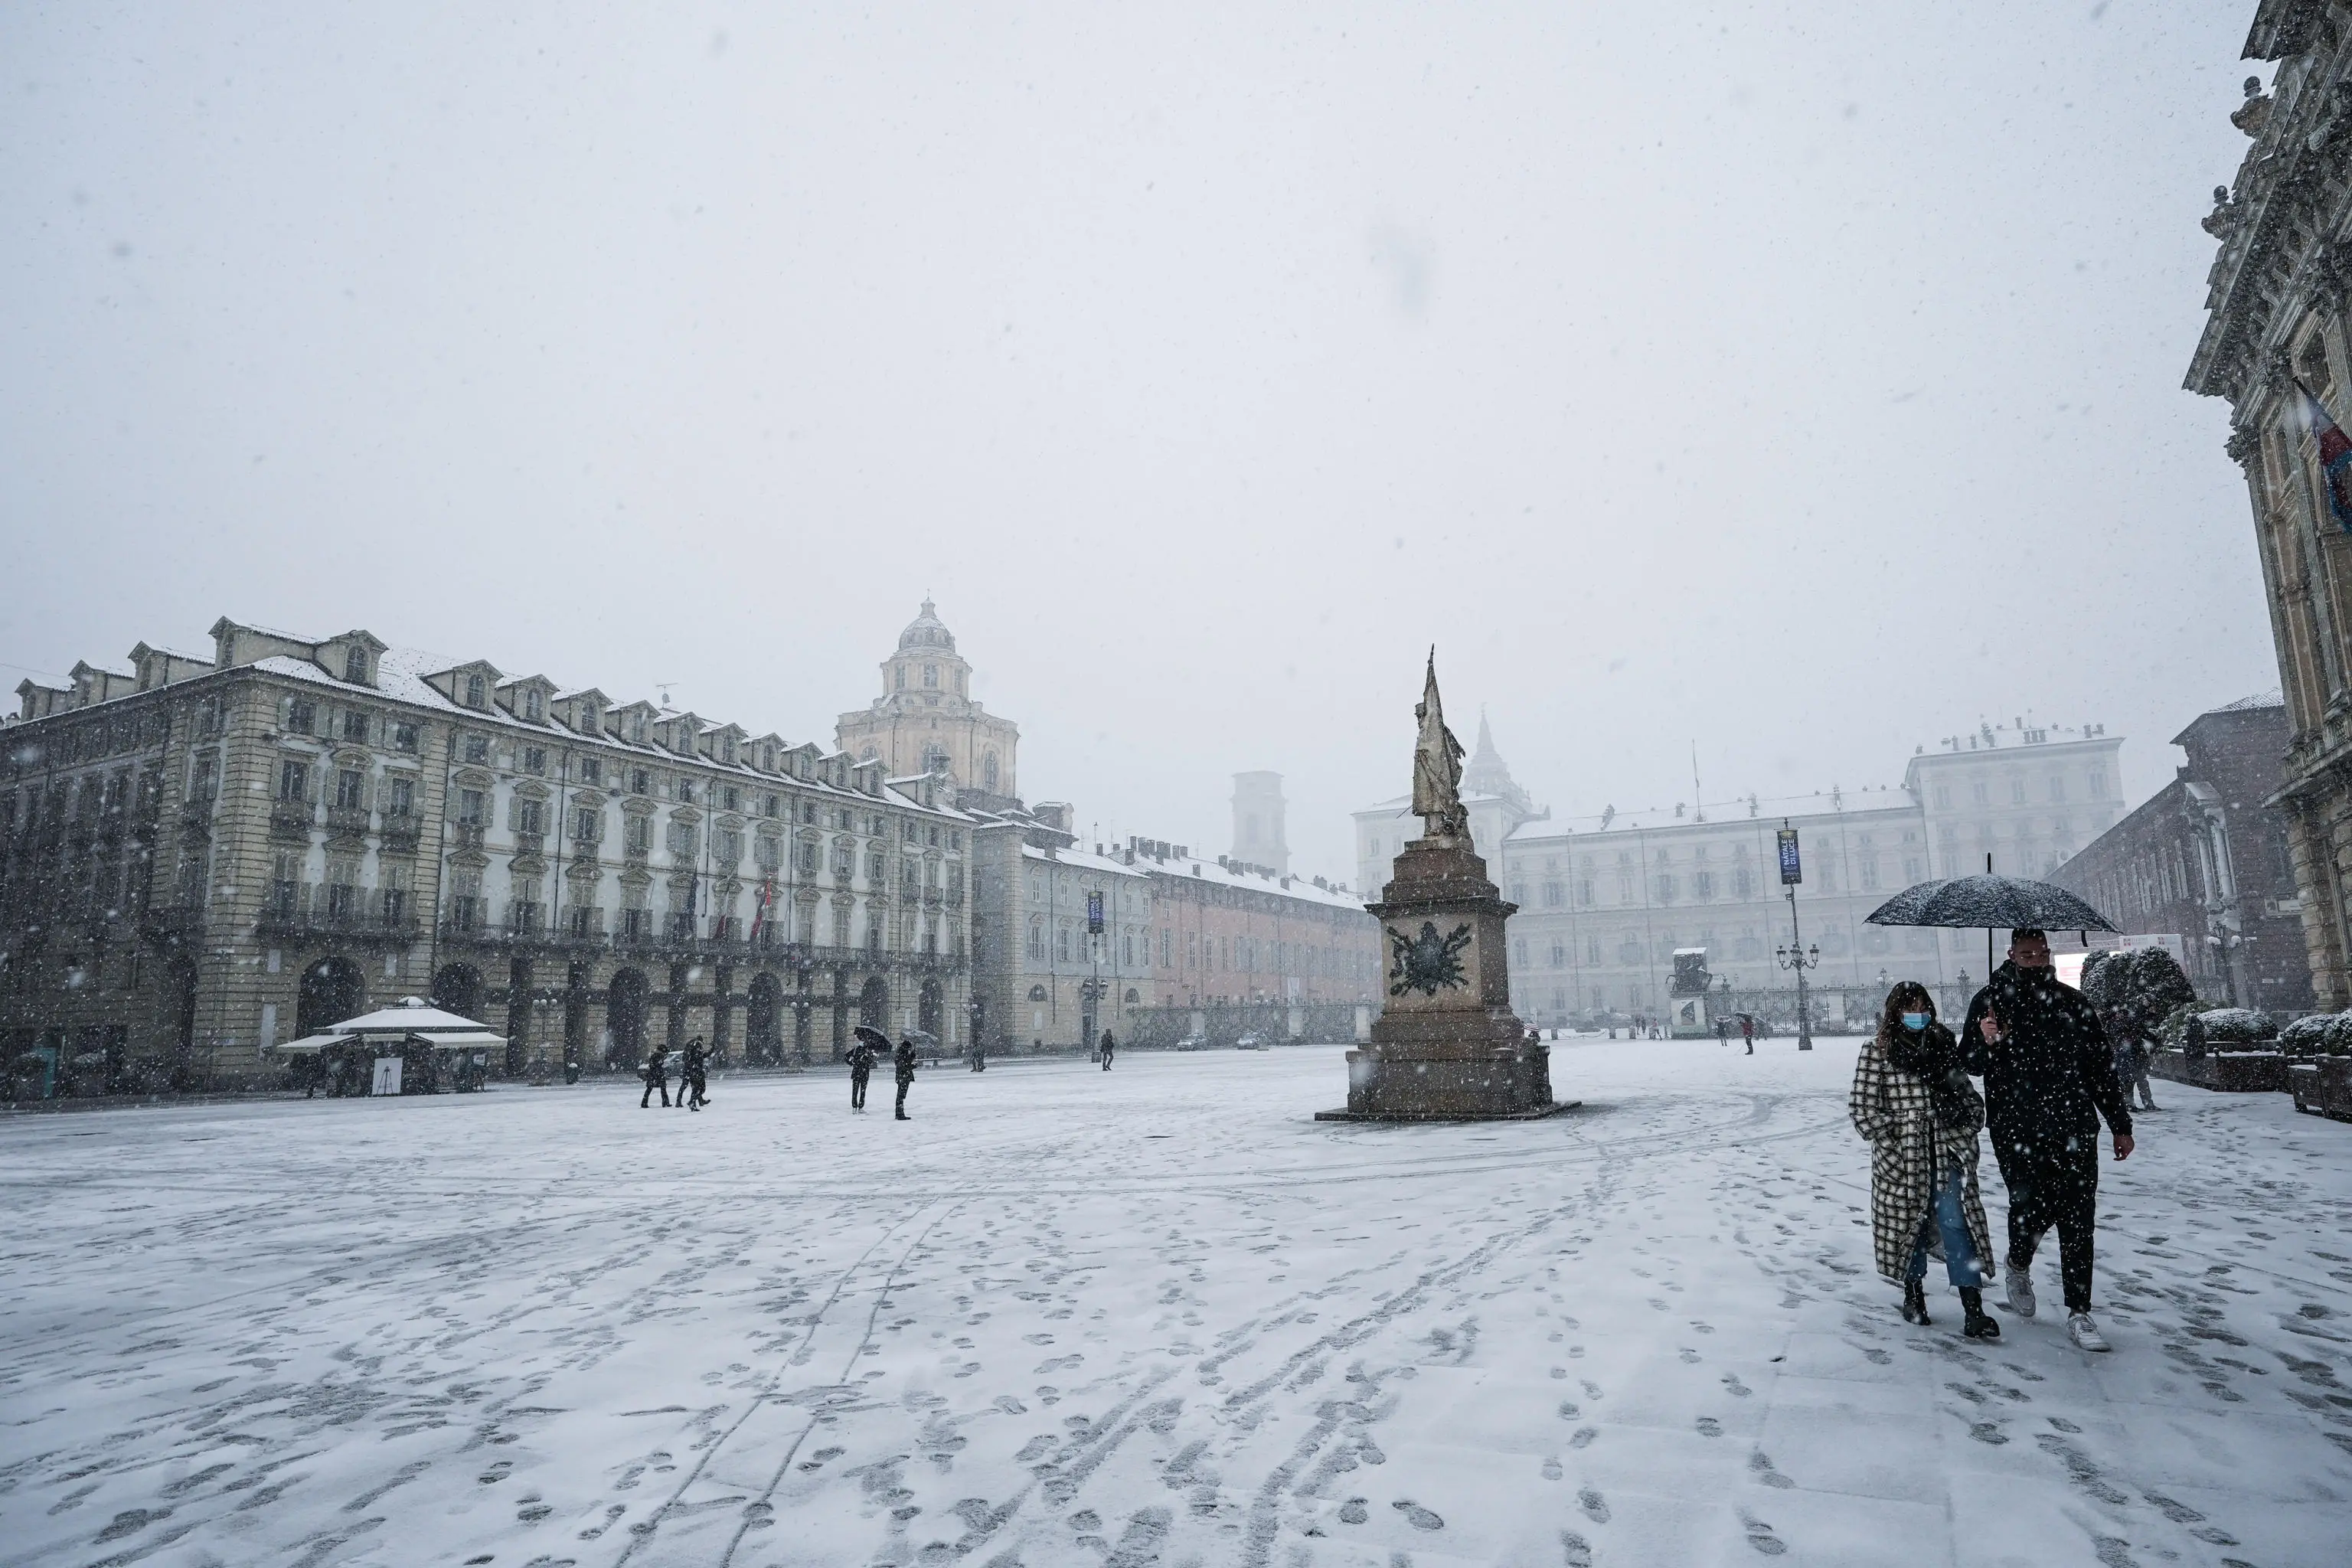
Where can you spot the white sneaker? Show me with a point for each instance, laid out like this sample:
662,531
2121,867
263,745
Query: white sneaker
2085,1333
2020,1282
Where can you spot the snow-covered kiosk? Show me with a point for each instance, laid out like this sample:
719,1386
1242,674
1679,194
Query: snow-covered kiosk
411,1031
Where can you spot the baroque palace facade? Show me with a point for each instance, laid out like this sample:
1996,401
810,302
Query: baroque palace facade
2273,341
201,858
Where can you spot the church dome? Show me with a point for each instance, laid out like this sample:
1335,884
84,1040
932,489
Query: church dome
926,630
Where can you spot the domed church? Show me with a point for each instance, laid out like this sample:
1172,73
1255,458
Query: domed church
926,721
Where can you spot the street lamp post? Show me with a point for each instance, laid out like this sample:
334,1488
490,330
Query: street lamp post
1798,959
1796,955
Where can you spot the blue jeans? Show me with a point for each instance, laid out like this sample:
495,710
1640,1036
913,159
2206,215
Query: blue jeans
1960,1260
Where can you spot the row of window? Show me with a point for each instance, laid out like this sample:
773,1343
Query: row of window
1980,790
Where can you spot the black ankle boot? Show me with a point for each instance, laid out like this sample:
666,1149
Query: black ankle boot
1914,1302
1976,1325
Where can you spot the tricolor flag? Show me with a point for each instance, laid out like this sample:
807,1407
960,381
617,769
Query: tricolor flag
760,915
2335,457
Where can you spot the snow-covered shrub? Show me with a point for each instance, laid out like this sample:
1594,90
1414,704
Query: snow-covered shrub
2238,1026
2307,1035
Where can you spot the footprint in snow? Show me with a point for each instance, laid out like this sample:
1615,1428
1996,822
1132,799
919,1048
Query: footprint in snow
1689,1357
1417,1516
1592,1389
1761,1465
1739,1389
1595,1506
1708,1426
1583,1438
1760,1536
1354,1511
1551,1469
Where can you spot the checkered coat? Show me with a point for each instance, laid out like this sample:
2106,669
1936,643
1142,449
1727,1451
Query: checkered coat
1892,1110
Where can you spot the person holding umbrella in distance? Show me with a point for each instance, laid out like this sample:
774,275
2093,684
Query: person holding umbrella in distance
872,1045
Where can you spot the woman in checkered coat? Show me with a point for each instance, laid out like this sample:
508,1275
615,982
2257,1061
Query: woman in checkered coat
1920,1114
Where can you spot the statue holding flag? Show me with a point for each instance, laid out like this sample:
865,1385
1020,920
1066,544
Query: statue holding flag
1437,766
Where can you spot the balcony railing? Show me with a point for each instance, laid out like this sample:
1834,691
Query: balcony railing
401,833
366,927
465,835
291,819
348,821
528,843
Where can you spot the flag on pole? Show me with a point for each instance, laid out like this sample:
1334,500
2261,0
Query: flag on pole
2335,457
759,914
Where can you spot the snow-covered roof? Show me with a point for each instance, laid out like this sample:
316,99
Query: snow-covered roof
1803,813
1083,860
1300,887
2273,698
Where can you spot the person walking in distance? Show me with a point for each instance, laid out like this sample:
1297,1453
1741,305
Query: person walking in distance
2131,1064
903,1061
1108,1046
861,1067
1747,1032
2049,1076
693,1076
655,1073
1920,1116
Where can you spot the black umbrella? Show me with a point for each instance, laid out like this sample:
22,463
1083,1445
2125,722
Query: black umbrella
1988,901
872,1036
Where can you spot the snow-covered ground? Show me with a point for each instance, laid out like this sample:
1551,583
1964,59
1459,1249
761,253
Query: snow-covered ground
1158,1314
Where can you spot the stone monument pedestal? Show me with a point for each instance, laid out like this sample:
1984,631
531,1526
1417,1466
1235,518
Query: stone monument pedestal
1447,1048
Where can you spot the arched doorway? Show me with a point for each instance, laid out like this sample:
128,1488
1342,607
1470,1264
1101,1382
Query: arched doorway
762,1041
458,988
930,1010
333,990
624,1019
874,1004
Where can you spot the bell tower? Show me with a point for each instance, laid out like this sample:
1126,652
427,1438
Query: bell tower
1260,837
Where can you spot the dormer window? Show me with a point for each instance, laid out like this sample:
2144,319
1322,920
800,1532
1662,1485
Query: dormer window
637,728
534,705
931,677
475,692
590,720
731,750
902,677
355,666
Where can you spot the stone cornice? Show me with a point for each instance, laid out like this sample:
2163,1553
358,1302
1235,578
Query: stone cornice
2291,207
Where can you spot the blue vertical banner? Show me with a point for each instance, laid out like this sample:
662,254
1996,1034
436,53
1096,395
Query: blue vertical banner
1094,914
1792,871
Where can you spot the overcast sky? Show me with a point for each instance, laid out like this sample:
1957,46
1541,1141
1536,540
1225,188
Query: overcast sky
1800,380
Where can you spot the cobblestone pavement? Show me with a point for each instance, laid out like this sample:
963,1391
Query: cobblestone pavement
1152,1315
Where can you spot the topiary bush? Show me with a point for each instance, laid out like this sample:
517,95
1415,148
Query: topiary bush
2307,1035
2238,1026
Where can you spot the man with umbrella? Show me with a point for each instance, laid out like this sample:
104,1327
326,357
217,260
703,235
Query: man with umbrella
869,1048
2049,1076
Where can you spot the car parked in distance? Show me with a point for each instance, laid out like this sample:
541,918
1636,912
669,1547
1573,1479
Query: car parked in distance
1193,1043
1253,1041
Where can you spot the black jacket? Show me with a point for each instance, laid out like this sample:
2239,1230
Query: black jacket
696,1063
2053,1075
903,1060
861,1059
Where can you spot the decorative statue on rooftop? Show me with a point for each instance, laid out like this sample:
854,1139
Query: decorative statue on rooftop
1437,766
